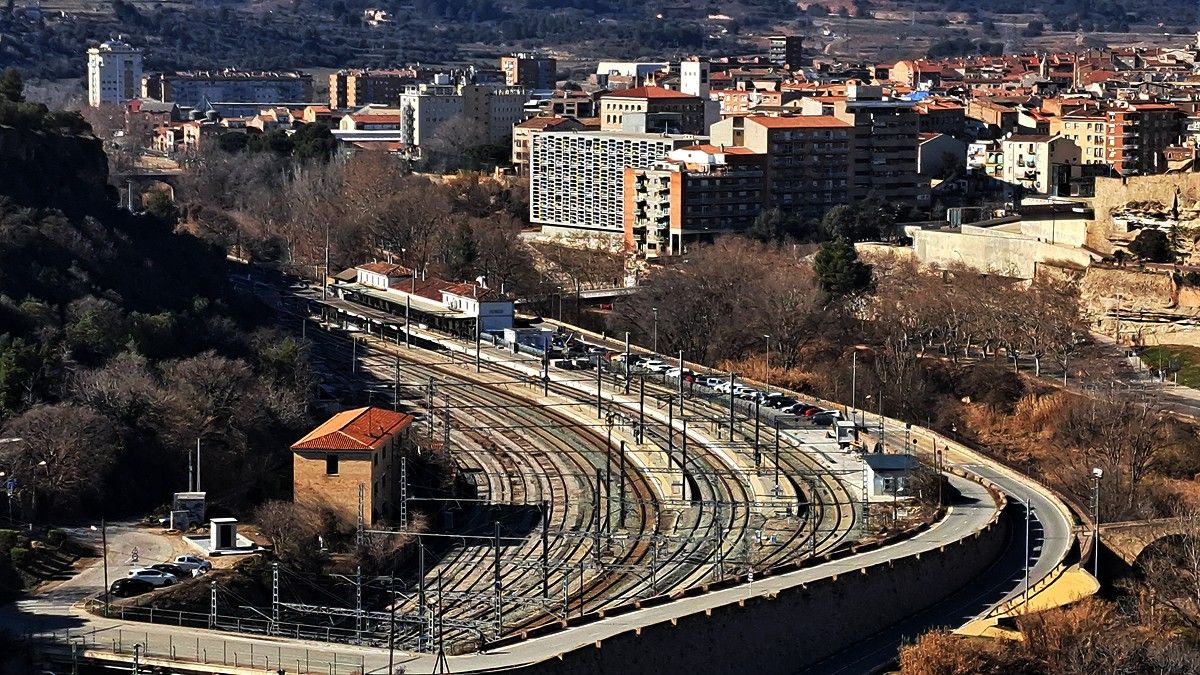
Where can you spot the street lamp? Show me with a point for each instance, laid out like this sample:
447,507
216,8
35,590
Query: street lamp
654,310
768,337
104,540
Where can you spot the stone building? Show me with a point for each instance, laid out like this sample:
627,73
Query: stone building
358,447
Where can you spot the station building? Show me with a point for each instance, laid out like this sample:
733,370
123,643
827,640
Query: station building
387,296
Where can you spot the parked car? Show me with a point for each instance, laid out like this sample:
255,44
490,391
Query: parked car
781,402
748,394
174,570
713,382
127,588
656,366
802,409
722,386
152,576
825,418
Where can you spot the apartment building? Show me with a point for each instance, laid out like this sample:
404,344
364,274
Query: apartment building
191,88
1138,134
529,70
490,110
357,88
808,165
695,194
652,109
576,178
1039,164
114,73
563,102
1087,128
786,51
884,149
522,136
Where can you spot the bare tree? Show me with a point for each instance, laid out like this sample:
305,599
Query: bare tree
64,453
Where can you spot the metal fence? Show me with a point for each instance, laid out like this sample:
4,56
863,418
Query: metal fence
145,647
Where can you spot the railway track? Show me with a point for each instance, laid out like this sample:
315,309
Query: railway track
529,452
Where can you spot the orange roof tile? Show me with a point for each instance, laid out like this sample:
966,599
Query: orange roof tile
648,92
799,122
357,429
389,269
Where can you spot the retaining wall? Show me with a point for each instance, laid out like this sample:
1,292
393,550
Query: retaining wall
794,628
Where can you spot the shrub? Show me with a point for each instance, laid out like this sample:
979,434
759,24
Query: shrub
20,556
8,539
56,537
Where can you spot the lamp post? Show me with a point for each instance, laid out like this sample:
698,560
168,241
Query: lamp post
104,544
768,338
654,310
1097,474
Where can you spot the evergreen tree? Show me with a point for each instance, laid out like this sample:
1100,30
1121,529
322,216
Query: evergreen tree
839,271
461,252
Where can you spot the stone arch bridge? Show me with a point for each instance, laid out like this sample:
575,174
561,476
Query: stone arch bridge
1128,539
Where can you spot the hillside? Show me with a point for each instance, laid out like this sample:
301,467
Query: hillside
269,34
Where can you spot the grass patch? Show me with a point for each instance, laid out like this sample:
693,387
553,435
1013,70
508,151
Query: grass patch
1182,358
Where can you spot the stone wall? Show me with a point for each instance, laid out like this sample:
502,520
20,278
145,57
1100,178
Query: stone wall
796,628
1145,306
1114,193
992,250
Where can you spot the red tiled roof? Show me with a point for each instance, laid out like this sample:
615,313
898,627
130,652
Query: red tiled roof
376,119
648,92
799,122
385,268
357,429
543,123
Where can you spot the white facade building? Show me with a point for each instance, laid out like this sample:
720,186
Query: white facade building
114,73
577,178
491,110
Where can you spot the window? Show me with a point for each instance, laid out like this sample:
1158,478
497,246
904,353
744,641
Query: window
331,464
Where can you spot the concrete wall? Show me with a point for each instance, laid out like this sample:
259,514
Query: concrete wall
794,629
990,250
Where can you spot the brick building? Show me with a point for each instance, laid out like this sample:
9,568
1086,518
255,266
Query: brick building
529,70
695,194
355,447
656,109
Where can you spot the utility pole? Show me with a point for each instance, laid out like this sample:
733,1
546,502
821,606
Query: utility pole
641,435
274,599
621,516
627,372
681,377
853,386
545,550
478,337
407,321
599,391
1028,518
499,587
353,354
358,534
404,493
422,601
683,463
1097,474
392,623
212,604
670,429
396,386
191,478
757,454
358,610
732,398
595,531
777,457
